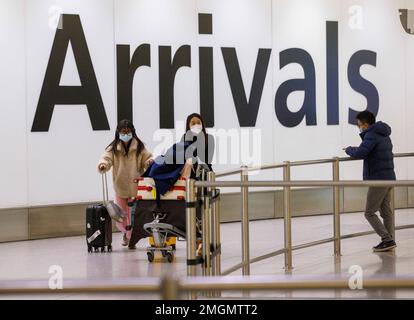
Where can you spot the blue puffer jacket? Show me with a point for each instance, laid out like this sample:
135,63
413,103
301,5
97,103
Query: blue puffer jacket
166,169
376,150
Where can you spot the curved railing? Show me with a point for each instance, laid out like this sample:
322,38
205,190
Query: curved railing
211,264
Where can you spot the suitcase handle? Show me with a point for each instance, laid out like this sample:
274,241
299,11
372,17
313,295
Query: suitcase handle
105,188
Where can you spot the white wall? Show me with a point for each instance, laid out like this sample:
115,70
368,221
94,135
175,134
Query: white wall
59,166
13,130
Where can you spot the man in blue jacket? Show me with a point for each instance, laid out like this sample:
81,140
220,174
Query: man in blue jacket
376,151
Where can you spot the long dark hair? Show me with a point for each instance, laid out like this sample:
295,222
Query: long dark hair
189,134
196,115
126,124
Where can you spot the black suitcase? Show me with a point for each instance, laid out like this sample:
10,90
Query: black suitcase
99,224
98,229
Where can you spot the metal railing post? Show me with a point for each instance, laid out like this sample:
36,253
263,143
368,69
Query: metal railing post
336,208
212,215
213,229
206,229
338,270
169,288
287,218
218,236
217,259
191,227
245,223
393,211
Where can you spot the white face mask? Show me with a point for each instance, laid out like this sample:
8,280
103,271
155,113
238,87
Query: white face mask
196,129
361,129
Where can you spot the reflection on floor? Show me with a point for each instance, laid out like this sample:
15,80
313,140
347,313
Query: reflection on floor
32,259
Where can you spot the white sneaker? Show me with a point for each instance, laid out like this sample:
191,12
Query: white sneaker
124,240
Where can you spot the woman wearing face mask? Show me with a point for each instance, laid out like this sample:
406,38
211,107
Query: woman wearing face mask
203,148
203,142
128,158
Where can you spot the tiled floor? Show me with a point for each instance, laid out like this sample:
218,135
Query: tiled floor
31,259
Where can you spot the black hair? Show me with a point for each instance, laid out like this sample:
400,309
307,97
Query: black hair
126,124
366,117
195,115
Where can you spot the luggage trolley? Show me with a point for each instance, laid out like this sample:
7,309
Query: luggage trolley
163,238
168,219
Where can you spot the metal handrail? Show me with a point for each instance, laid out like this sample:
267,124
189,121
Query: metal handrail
299,163
228,173
287,184
305,245
171,287
308,183
300,283
354,183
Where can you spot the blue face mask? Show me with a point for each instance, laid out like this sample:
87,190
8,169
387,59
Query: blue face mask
125,137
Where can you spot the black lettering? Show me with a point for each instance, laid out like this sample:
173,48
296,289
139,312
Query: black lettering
53,94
